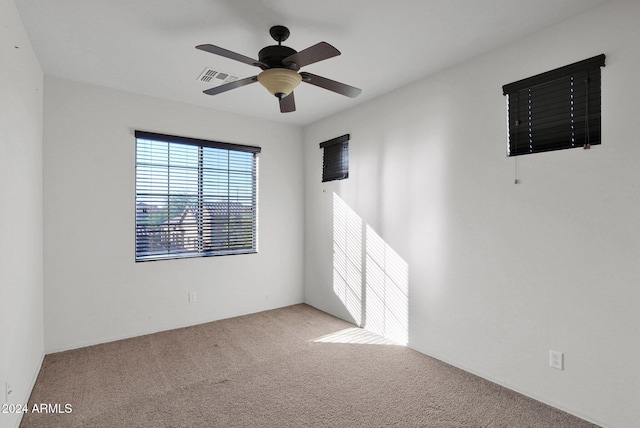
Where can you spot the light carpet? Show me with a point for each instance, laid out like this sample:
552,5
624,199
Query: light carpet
290,367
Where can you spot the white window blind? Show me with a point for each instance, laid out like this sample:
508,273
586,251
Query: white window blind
194,197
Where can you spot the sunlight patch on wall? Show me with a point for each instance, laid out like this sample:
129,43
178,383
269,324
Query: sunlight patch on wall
387,290
381,303
347,259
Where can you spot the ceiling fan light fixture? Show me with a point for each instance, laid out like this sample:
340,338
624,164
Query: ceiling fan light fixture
279,81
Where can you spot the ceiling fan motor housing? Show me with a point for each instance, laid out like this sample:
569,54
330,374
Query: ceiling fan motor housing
273,56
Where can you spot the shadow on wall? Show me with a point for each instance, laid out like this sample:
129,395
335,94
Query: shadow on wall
369,277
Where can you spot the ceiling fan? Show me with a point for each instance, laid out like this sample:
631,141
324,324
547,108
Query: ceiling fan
280,65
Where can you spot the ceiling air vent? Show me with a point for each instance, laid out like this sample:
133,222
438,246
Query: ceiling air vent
215,77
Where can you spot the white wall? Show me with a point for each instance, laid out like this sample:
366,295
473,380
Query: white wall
94,290
500,273
21,328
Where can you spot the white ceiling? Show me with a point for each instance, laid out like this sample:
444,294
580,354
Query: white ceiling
147,46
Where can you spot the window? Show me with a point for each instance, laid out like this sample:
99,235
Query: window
335,163
194,197
556,110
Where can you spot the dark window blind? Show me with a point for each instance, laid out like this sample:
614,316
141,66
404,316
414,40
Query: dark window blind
556,110
335,161
194,197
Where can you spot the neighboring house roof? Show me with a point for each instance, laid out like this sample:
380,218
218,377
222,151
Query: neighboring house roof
209,210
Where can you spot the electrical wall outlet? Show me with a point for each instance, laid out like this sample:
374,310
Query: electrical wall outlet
192,297
556,360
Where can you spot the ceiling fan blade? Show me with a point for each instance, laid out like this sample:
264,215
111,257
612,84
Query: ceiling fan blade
287,104
332,85
315,53
233,85
231,55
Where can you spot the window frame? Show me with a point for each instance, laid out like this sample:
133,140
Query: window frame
214,214
556,110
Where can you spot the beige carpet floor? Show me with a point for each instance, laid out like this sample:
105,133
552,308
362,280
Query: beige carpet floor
289,367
